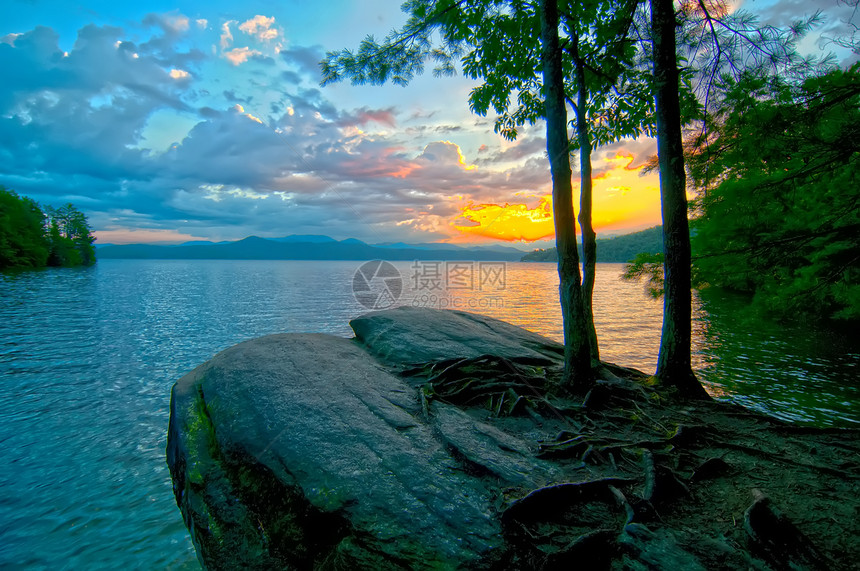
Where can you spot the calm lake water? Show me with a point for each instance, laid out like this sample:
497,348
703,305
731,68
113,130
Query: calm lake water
88,356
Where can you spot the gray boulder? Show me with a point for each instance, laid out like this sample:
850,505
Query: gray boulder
304,450
412,336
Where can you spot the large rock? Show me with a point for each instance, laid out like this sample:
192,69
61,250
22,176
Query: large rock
302,450
412,336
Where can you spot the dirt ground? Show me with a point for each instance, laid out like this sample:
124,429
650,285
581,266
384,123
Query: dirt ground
657,481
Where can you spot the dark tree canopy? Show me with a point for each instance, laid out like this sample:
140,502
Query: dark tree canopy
33,238
779,185
23,242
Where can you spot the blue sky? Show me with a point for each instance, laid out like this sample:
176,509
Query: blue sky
172,121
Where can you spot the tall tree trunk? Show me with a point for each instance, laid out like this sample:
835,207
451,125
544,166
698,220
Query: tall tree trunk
673,364
577,352
589,238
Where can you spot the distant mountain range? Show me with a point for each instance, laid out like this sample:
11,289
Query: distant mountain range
308,247
315,247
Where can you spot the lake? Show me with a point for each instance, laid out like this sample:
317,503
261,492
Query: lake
88,356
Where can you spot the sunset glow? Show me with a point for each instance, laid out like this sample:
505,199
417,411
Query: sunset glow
510,222
622,198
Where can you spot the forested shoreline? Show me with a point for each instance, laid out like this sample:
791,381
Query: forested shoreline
617,249
34,236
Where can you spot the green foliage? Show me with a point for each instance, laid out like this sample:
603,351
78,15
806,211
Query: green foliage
647,267
718,40
778,194
499,43
32,238
70,237
22,232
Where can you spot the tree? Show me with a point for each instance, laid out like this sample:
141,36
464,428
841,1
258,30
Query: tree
31,237
475,31
778,194
605,86
577,338
603,64
22,232
674,365
717,44
70,237
62,252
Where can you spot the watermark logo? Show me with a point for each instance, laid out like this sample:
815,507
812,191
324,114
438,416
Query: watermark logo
447,276
443,285
377,284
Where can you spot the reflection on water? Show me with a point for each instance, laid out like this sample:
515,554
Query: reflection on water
88,356
798,373
624,316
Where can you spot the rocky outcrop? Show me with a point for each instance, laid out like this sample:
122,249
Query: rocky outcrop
439,439
411,336
302,449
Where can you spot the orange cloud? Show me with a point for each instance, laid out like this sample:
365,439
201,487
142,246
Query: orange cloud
179,74
623,200
619,161
241,110
510,222
623,160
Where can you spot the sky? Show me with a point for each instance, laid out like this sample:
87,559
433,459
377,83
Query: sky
189,120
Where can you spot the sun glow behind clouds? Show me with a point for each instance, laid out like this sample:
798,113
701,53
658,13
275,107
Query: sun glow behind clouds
622,198
510,222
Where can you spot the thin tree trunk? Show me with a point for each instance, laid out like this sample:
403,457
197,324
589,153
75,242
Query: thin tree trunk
577,352
589,238
674,362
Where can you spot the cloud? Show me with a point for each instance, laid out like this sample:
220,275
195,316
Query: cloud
230,95
141,131
838,20
226,34
143,236
261,28
241,110
521,149
92,101
238,56
304,60
164,48
171,23
510,222
363,116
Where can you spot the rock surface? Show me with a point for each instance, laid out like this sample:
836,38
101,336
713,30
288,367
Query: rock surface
411,336
438,439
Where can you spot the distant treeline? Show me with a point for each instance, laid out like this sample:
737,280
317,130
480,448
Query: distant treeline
617,249
35,237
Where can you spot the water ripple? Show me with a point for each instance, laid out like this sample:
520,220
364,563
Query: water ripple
88,356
